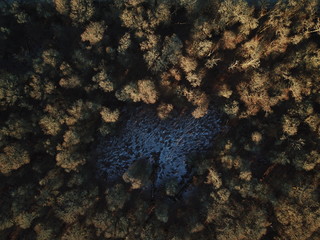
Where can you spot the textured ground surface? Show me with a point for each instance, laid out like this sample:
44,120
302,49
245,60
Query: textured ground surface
144,135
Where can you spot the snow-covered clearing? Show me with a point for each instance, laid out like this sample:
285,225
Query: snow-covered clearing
144,135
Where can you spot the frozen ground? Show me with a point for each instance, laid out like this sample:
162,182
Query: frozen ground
144,135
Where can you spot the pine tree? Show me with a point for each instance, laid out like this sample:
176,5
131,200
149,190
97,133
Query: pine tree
81,11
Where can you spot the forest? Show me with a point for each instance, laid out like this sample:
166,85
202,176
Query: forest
160,120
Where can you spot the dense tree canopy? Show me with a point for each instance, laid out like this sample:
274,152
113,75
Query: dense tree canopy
68,70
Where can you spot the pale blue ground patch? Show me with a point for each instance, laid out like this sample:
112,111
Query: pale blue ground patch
145,134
